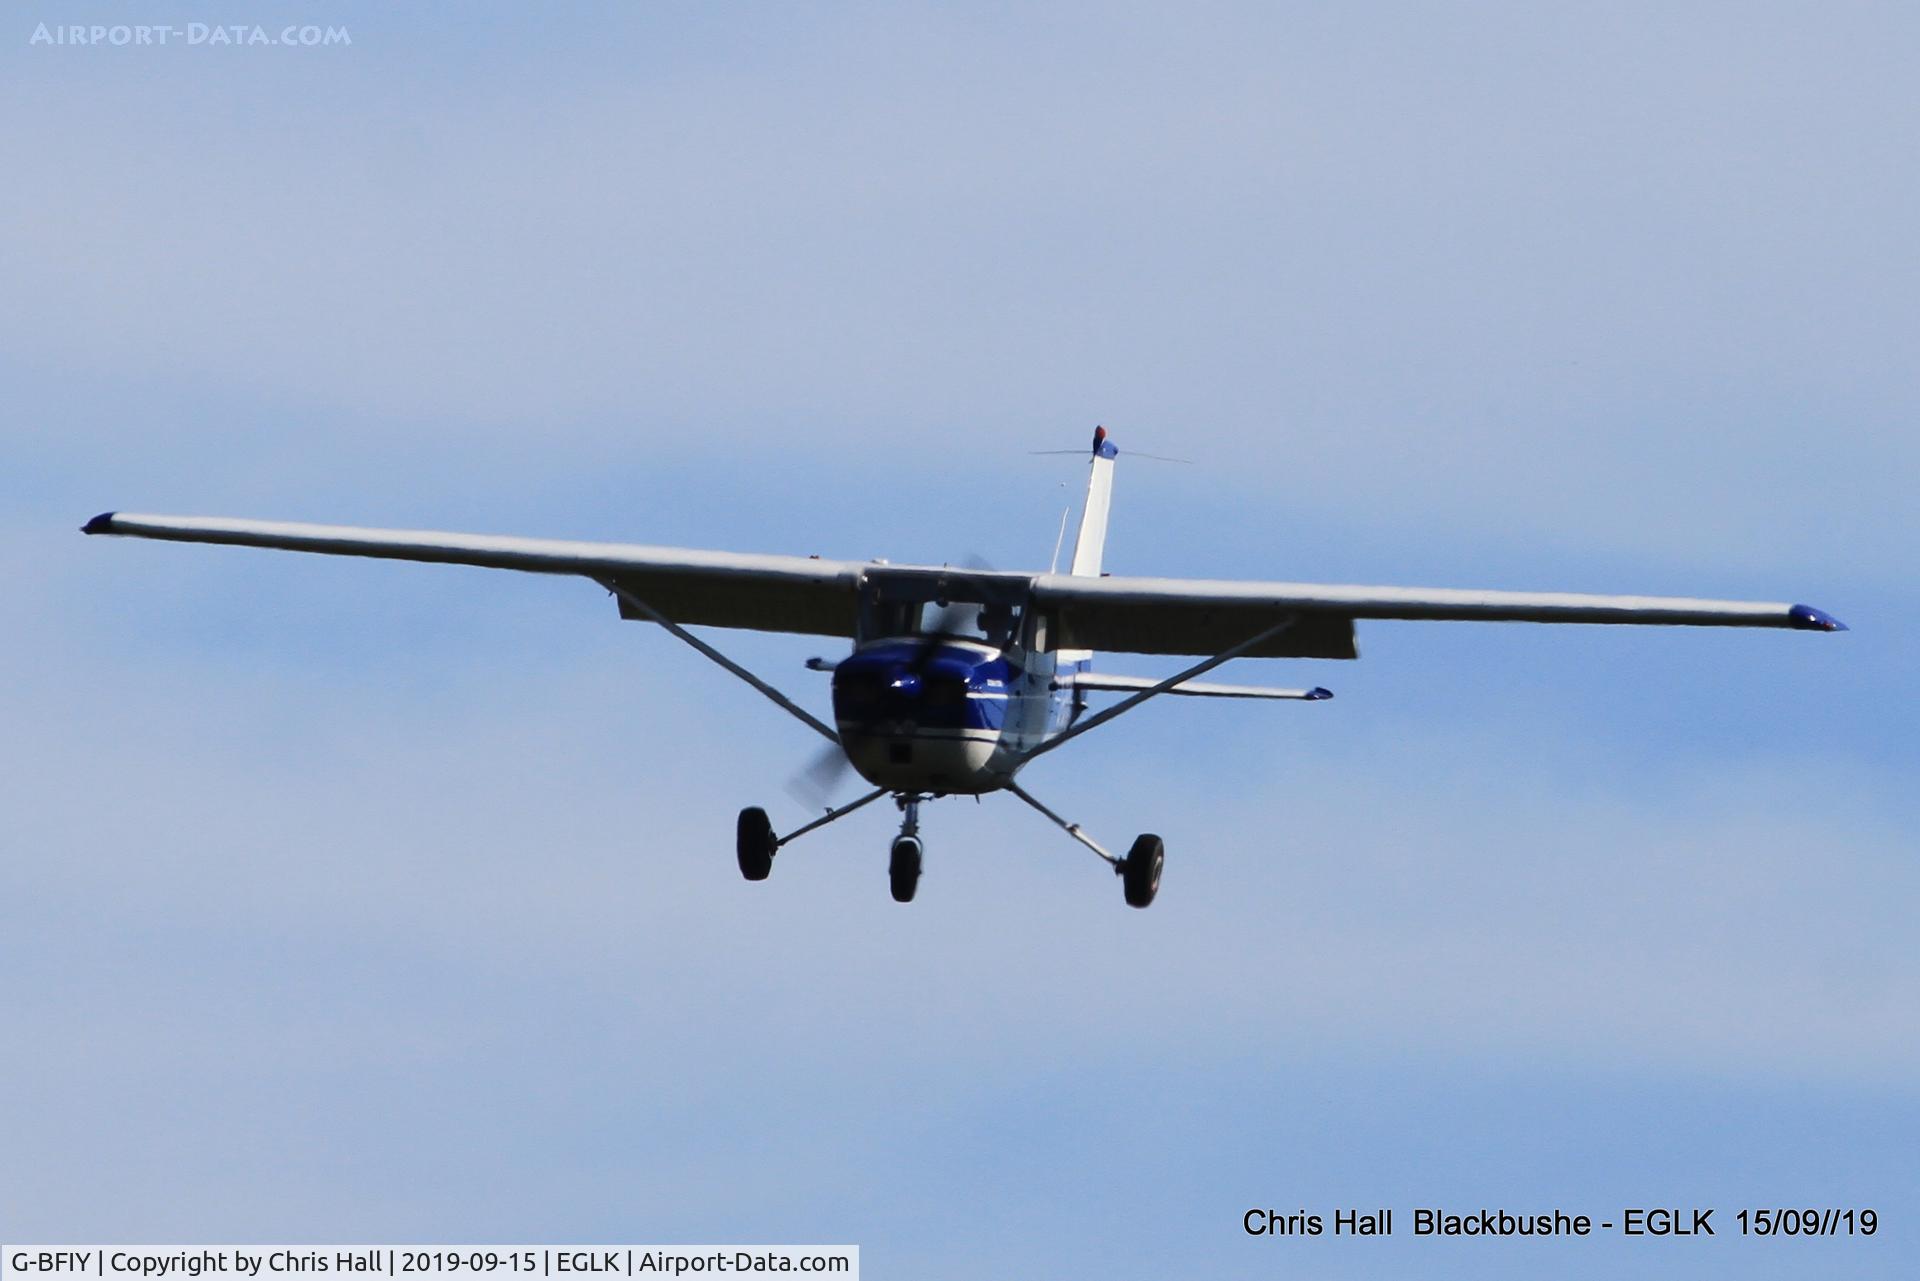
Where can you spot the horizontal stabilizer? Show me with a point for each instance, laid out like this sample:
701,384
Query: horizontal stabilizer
1196,689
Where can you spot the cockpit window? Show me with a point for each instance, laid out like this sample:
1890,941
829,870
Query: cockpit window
971,608
994,624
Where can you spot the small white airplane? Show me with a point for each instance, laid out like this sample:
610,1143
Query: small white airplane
960,677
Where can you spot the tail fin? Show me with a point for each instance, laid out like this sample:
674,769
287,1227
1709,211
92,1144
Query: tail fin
1091,544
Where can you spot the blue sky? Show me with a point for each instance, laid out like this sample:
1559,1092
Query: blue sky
376,902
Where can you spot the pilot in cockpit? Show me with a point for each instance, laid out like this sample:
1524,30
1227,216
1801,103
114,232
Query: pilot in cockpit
996,624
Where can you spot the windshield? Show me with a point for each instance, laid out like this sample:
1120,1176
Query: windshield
993,624
979,607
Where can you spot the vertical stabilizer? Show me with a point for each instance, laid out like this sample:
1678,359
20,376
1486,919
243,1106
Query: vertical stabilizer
1092,541
1091,544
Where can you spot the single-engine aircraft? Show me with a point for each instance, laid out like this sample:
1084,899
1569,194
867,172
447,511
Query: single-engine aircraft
960,677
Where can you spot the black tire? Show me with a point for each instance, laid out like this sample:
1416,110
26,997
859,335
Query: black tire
903,869
1140,872
754,844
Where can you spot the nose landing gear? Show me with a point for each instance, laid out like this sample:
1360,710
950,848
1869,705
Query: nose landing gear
903,867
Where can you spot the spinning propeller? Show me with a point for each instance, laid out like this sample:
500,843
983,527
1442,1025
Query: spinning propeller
817,781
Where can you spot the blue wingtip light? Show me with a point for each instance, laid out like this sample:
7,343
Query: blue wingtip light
1810,619
101,524
1319,692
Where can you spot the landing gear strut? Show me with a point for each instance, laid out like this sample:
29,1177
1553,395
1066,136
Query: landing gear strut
755,844
1139,871
903,868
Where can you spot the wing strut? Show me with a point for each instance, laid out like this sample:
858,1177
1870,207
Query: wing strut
1128,704
778,698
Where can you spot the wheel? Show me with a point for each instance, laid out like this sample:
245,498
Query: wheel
903,869
754,843
1140,871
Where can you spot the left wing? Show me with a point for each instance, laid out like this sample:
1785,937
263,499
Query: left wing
714,589
1199,616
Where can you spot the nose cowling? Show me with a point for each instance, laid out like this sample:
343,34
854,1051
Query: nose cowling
906,718
897,682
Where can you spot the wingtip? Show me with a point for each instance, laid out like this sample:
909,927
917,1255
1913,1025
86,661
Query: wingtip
101,524
1319,693
1807,618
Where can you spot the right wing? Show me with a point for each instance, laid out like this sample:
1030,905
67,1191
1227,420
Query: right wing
702,588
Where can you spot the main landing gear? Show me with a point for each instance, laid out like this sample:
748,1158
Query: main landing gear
1140,870
756,844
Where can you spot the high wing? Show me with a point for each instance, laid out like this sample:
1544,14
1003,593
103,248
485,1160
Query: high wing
1199,616
714,589
821,597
